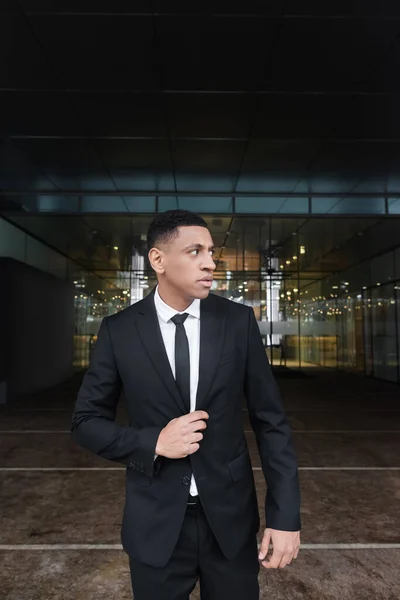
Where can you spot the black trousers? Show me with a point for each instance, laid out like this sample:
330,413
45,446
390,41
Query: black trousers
197,556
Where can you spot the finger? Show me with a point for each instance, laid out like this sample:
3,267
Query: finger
264,546
274,561
197,425
193,448
286,560
197,437
197,415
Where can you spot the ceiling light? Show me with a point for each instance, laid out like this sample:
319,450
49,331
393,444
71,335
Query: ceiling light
288,262
115,247
282,267
294,257
295,290
302,249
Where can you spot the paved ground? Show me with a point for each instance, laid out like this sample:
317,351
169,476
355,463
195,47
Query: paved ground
347,435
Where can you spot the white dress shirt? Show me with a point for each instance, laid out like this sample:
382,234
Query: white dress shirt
192,329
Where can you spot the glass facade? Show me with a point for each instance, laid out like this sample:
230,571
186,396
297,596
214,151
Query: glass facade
201,202
310,313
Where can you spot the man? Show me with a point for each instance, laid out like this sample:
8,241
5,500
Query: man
183,359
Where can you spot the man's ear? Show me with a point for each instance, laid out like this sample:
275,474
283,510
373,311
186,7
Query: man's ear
156,259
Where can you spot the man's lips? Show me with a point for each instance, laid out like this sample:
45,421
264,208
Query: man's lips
206,281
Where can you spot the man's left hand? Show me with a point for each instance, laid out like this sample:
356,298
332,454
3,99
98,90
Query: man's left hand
286,545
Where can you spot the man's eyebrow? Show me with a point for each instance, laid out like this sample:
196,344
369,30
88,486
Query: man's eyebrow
198,246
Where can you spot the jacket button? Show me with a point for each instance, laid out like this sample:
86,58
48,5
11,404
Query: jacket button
186,480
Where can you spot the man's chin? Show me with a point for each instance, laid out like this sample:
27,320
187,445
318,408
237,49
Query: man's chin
201,293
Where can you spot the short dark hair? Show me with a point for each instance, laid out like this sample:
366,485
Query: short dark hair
164,227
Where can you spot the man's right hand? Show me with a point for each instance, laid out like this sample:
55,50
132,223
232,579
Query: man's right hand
182,435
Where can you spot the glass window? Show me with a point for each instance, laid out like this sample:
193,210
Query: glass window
394,206
385,358
12,241
58,203
117,204
382,268
199,204
355,206
271,205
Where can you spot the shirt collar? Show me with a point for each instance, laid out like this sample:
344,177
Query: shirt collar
165,312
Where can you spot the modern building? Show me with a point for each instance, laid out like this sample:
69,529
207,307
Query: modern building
280,128
279,123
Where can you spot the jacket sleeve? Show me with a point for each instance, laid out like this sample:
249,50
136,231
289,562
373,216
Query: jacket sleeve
273,435
93,419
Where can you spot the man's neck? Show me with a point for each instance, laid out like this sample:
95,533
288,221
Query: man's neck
173,300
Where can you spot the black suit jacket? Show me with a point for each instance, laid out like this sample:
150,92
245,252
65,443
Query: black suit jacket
130,357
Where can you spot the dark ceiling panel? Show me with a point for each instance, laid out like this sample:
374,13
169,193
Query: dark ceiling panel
37,113
330,54
23,63
357,157
220,7
209,115
370,8
206,165
294,115
364,116
138,164
86,6
219,54
275,155
386,72
106,52
269,181
70,164
18,171
119,114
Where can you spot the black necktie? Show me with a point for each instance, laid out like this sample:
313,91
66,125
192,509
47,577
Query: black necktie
182,360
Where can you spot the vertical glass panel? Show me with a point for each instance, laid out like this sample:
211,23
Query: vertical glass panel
271,205
384,332
37,254
394,206
350,331
12,241
397,263
397,296
367,310
382,268
337,206
57,265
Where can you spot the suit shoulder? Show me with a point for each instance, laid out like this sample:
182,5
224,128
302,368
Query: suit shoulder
125,314
231,307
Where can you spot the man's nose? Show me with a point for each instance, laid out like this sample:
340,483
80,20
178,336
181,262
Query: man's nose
210,264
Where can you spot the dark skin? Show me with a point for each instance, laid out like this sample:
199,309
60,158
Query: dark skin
180,265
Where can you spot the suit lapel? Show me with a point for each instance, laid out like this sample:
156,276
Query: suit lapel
150,333
212,333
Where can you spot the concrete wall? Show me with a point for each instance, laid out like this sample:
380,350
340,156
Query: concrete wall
37,326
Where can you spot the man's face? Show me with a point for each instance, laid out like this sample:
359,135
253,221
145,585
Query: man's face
187,261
